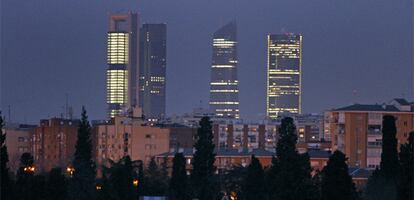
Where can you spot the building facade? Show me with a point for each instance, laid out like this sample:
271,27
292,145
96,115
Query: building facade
224,85
356,130
235,135
122,62
53,143
152,73
227,159
18,141
128,136
284,71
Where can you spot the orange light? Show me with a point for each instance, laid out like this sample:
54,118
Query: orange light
135,182
70,170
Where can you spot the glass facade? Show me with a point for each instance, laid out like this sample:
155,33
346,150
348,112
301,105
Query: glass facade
284,63
153,62
122,48
224,89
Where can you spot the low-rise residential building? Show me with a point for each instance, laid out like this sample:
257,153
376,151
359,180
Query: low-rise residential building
356,130
53,143
236,134
360,176
181,136
18,141
226,159
128,136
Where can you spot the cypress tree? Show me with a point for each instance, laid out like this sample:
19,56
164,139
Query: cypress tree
179,182
119,180
405,182
336,182
82,184
56,185
389,156
5,180
154,183
25,186
291,173
253,187
202,176
383,182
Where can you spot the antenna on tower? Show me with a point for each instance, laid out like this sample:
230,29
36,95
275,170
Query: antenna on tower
9,112
66,106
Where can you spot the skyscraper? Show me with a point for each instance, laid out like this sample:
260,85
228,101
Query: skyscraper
122,71
284,63
224,89
153,61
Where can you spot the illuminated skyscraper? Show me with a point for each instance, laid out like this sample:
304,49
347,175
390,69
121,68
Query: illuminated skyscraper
224,89
153,61
122,63
284,63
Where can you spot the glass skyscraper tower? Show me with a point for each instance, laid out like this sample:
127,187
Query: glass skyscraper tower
284,69
224,85
153,61
122,61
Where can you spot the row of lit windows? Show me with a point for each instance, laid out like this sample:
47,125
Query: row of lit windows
157,79
224,90
223,43
283,72
224,102
277,109
223,66
283,86
118,48
227,110
117,86
224,83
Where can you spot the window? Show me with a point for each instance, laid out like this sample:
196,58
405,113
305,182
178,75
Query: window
21,139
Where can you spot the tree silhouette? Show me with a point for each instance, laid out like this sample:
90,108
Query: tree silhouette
290,173
5,181
336,182
405,182
179,181
253,187
383,182
82,184
202,177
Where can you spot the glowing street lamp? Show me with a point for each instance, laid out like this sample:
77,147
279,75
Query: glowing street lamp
29,169
135,182
70,170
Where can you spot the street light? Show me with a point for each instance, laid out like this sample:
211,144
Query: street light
135,182
29,169
70,170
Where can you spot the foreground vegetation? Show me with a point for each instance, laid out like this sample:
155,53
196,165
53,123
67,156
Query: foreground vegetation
288,178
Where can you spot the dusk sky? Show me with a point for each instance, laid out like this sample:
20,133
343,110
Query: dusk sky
353,51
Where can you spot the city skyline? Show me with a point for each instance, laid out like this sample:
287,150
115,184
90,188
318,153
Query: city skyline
37,89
